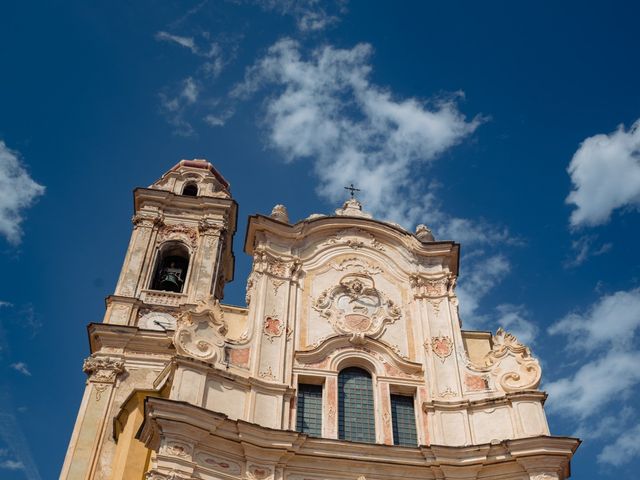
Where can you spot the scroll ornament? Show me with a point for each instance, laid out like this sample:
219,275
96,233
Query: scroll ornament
511,364
201,330
356,307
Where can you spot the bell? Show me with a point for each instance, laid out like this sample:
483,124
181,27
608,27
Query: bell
171,279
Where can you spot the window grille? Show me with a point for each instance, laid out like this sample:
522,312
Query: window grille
356,419
404,421
309,415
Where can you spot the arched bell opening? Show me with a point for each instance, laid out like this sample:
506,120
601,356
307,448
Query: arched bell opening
171,268
190,189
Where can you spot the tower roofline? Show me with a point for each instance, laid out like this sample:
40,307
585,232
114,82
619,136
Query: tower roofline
203,164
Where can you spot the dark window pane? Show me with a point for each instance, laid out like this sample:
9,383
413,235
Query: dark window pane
404,421
309,417
355,406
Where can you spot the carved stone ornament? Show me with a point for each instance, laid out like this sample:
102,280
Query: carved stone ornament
218,463
178,232
200,331
103,369
280,213
258,472
176,449
355,238
424,234
511,364
442,347
147,220
430,288
352,208
356,307
272,327
155,475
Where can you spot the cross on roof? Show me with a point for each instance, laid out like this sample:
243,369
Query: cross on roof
352,190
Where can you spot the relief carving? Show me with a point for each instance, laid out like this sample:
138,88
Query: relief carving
218,463
257,472
430,288
356,307
178,232
103,369
272,328
441,346
355,238
475,383
511,364
200,331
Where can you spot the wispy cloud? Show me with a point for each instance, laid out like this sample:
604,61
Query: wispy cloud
604,336
11,465
18,191
309,15
21,367
583,248
12,436
605,172
174,106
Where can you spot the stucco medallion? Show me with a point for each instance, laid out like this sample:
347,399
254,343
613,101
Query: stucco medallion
355,306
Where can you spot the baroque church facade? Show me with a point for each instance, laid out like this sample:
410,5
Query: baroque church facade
347,363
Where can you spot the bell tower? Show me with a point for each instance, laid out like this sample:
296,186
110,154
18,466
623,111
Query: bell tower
179,255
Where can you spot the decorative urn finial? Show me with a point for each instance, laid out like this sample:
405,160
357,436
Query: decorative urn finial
279,213
424,234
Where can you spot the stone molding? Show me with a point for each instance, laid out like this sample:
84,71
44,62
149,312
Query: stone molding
166,420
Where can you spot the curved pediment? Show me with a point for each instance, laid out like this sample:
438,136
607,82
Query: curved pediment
338,352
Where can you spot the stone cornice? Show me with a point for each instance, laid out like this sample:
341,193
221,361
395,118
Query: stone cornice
326,226
489,402
209,430
132,340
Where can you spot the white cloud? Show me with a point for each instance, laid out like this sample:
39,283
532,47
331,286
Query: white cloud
605,337
310,15
513,318
326,109
18,191
583,248
21,367
624,449
213,49
11,465
174,106
605,172
480,276
596,384
186,42
611,321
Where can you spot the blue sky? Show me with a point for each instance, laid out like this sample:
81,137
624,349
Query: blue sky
509,128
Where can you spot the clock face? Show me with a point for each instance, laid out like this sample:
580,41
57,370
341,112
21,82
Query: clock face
157,321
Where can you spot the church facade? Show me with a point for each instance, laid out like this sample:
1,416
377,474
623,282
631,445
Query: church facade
347,363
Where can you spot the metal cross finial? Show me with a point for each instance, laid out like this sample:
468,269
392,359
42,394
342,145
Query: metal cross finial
352,190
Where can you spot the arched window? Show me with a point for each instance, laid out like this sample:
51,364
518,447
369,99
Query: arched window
171,268
190,189
356,419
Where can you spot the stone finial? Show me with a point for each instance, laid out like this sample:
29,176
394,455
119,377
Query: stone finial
424,234
279,213
352,208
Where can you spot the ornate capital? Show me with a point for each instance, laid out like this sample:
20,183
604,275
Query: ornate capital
211,227
146,220
103,369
